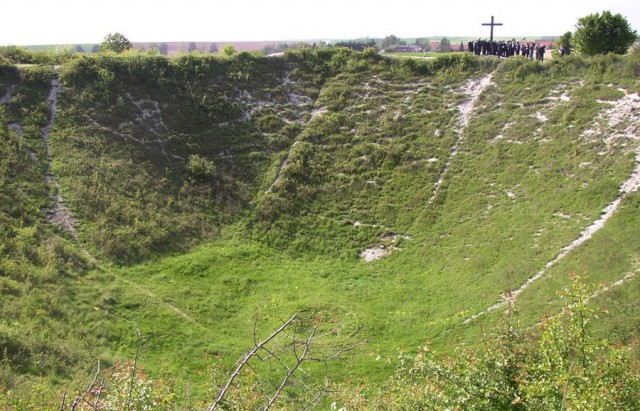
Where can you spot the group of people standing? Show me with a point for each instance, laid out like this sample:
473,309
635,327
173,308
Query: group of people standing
507,49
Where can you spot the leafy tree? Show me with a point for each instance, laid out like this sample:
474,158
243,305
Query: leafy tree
445,45
390,41
228,50
192,46
461,47
115,42
604,33
95,48
213,48
79,49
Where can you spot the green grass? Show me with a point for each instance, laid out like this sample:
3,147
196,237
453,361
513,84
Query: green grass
193,258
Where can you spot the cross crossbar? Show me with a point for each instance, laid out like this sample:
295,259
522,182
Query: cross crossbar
492,24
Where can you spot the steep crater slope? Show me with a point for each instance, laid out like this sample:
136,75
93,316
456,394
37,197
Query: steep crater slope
480,183
157,154
342,148
531,191
43,292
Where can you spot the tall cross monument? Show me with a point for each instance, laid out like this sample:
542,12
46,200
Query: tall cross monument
492,24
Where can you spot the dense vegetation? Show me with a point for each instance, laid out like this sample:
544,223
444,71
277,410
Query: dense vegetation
205,188
604,33
41,271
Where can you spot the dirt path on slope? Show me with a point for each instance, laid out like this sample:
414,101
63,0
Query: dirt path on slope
59,214
281,169
613,285
632,184
140,288
299,101
473,90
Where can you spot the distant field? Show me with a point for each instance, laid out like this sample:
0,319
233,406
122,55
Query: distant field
429,54
179,47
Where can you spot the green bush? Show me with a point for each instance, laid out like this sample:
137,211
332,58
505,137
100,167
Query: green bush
560,365
200,168
604,33
20,55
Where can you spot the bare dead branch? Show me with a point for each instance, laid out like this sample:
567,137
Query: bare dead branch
255,322
95,377
319,395
98,394
83,397
255,329
246,359
300,360
133,370
337,354
64,400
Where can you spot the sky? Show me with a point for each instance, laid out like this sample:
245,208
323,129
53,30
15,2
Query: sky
35,22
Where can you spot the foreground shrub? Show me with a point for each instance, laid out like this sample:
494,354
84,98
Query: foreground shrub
559,366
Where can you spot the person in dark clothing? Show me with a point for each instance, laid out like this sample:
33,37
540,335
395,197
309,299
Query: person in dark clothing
532,50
